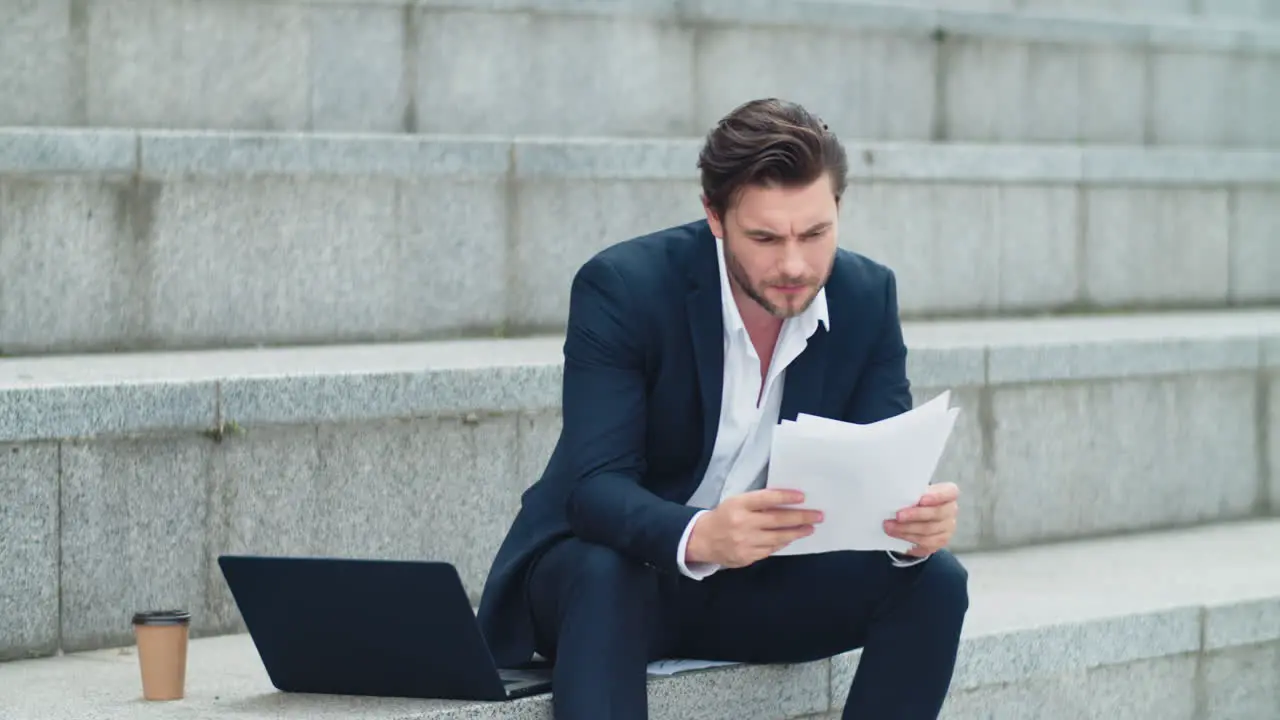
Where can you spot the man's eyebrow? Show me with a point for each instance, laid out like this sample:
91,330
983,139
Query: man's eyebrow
765,233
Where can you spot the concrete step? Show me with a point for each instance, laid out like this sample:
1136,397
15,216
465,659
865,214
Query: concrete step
1218,12
115,240
637,68
122,477
1169,626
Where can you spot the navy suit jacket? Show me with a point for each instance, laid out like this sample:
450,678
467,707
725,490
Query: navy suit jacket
643,372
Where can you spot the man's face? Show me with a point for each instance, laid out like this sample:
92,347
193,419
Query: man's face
779,244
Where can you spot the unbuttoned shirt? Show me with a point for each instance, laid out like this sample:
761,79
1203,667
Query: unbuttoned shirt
748,412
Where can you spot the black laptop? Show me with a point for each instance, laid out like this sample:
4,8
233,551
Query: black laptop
369,627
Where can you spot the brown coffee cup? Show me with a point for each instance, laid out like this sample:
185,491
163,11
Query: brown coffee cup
162,652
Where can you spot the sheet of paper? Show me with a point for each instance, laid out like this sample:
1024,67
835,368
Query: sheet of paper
674,666
859,475
939,405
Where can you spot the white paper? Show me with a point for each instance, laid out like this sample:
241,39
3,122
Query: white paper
859,475
675,666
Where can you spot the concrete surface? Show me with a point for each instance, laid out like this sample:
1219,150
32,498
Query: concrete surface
1069,428
28,550
72,396
966,71
1165,625
112,241
1191,11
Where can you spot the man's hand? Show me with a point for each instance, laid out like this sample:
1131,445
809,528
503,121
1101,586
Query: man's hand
929,524
749,527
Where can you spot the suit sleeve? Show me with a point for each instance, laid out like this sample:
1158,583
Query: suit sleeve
883,390
604,411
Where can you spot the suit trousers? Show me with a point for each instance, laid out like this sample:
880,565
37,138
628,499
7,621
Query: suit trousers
600,618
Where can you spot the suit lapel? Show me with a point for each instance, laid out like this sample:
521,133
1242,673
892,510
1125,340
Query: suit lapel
706,327
802,391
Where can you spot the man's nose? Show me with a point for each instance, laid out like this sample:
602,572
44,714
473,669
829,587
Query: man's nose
793,263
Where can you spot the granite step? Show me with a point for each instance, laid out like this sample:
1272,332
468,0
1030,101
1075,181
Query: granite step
1200,12
122,477
650,68
1167,625
122,241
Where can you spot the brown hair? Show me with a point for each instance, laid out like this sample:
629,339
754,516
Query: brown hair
768,142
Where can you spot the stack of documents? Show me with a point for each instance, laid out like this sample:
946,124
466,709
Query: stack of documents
859,475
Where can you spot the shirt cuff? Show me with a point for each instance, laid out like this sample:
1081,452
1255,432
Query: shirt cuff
697,571
902,561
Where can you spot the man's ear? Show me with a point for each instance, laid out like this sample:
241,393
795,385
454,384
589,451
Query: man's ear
717,227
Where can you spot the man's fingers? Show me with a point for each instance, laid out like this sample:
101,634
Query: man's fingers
933,527
774,519
912,516
940,494
922,514
919,533
774,540
770,498
780,537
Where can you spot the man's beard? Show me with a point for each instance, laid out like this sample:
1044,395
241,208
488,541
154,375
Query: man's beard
739,276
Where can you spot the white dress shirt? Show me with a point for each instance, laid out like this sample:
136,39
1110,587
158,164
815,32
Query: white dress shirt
740,460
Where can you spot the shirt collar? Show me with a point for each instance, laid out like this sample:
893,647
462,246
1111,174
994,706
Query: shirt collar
808,320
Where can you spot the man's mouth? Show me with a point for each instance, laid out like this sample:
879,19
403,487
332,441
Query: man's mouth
791,289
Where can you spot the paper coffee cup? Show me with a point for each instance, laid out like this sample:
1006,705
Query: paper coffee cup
162,652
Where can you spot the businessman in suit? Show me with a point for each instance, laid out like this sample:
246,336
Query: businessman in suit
651,533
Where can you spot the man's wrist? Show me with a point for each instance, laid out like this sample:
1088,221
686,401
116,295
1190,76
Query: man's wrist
686,557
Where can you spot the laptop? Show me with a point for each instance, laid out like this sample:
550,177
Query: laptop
369,627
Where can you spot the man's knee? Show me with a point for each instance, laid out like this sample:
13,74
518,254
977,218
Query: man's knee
600,570
583,593
945,579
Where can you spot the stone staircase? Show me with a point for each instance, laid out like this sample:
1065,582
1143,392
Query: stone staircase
1196,11
1146,626
1151,72
287,277
125,241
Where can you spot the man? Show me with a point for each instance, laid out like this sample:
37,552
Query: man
650,533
